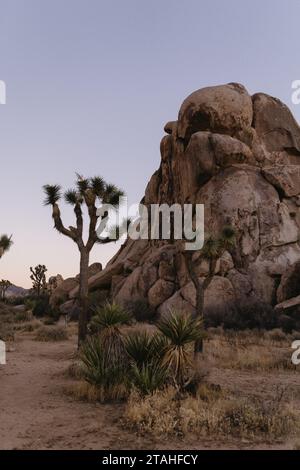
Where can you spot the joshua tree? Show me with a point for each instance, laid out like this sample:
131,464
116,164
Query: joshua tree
212,250
88,191
4,285
38,277
5,244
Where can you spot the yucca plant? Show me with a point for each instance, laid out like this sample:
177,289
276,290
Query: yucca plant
99,371
145,351
180,331
5,244
107,322
109,317
149,377
138,346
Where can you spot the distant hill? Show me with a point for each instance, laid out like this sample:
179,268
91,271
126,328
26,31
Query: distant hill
16,291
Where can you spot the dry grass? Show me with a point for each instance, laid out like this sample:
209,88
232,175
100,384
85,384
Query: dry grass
75,371
51,333
31,326
252,351
23,316
87,392
6,332
213,411
211,414
7,316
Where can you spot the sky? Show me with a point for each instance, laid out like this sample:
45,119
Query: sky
90,85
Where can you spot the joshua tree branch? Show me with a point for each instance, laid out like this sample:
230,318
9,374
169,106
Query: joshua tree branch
92,228
58,224
79,219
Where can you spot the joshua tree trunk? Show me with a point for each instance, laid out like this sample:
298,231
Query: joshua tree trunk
200,288
83,294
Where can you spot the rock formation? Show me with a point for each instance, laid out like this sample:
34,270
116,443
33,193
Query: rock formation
59,288
239,156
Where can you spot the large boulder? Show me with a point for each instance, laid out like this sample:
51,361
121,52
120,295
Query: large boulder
290,283
94,268
275,124
226,109
61,293
285,178
159,292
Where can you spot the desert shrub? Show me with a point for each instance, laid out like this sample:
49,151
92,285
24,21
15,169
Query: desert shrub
16,300
162,413
276,335
141,310
6,332
42,308
75,370
251,353
29,303
49,321
51,333
98,298
289,321
6,311
241,315
23,316
30,326
88,392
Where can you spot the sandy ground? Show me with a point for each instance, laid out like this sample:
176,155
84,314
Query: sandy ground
35,413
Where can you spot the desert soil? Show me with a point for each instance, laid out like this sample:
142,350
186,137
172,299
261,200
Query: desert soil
36,413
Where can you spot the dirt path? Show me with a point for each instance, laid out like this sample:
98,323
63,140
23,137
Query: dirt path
36,414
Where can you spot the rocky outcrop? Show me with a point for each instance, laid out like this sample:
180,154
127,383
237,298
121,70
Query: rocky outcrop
61,293
239,156
60,288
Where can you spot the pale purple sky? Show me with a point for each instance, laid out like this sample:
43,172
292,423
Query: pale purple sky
91,83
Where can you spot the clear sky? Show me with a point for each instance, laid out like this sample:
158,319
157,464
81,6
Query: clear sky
91,83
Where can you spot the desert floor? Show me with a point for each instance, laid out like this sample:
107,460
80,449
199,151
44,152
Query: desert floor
37,413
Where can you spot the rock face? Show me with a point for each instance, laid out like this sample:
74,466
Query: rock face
60,289
239,156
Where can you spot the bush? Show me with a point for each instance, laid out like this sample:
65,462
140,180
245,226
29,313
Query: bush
97,298
211,414
23,316
276,335
30,303
141,311
6,332
16,300
51,333
42,308
242,315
